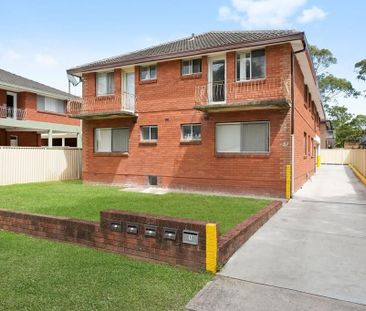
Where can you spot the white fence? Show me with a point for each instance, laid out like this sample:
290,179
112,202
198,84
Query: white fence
28,164
356,157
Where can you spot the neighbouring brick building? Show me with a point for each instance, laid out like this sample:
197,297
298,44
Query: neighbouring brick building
221,111
33,114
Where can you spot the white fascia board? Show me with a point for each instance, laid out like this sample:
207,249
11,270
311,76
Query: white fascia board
39,126
16,88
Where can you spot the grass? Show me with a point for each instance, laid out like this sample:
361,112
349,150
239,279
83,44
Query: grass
45,275
74,199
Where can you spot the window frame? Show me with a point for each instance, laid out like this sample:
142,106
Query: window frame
236,65
96,83
191,127
305,146
111,142
268,123
50,111
190,73
142,140
149,72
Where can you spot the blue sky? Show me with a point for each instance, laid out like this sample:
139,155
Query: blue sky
41,39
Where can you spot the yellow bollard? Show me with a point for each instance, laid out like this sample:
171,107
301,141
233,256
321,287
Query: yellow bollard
288,182
211,248
318,161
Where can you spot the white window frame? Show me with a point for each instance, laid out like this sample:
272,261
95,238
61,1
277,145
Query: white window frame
191,127
96,83
190,68
60,101
240,53
149,139
241,142
111,142
148,77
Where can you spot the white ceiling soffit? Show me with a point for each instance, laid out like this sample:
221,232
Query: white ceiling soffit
308,76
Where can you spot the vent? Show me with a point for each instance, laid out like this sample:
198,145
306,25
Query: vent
153,180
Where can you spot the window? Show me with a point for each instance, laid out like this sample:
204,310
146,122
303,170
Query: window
105,83
250,65
309,101
309,147
312,147
148,72
244,137
149,133
305,144
306,94
191,132
191,66
48,104
111,139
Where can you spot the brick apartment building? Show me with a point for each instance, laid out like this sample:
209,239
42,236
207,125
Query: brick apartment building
222,111
33,114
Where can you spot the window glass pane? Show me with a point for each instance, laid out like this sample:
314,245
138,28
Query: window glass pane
41,103
144,71
258,67
120,140
154,133
255,137
196,131
101,83
238,61
110,83
247,69
187,132
153,72
196,66
102,140
145,133
185,67
228,137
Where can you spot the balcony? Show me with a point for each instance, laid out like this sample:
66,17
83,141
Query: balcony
270,93
12,113
102,107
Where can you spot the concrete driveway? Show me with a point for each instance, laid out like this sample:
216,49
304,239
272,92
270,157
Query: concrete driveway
310,256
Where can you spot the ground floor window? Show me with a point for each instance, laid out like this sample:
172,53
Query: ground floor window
191,132
242,137
111,139
149,133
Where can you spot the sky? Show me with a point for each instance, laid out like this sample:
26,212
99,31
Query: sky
40,39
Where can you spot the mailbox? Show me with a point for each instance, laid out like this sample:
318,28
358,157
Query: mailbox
170,234
190,237
115,226
132,228
150,230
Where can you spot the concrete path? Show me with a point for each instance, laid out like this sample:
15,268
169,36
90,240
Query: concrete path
310,256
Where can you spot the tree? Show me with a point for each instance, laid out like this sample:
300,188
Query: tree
360,68
330,86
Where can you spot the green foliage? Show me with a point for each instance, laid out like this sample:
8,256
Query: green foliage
331,87
360,68
45,275
74,199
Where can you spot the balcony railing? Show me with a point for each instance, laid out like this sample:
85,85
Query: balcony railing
102,105
242,92
12,113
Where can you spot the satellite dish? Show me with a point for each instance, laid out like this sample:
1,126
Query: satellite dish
73,79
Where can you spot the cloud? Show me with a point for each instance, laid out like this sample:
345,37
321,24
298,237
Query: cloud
45,59
11,55
266,13
312,14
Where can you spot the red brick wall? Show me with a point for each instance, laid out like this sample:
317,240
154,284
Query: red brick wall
2,137
305,122
25,139
168,102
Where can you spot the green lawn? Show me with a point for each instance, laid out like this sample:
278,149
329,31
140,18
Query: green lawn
39,274
74,199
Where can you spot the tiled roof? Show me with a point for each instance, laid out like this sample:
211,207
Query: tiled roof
14,80
195,44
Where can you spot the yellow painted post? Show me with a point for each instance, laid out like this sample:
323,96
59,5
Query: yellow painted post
211,248
288,182
318,161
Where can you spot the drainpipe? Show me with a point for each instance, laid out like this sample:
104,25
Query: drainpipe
293,53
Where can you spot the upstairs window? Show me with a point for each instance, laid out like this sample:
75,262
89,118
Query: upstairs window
250,65
48,104
191,66
111,139
305,144
191,132
149,133
105,83
244,137
148,72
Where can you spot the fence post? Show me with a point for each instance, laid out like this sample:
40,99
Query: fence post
211,248
288,182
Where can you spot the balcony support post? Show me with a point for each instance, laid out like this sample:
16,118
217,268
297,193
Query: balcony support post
50,132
